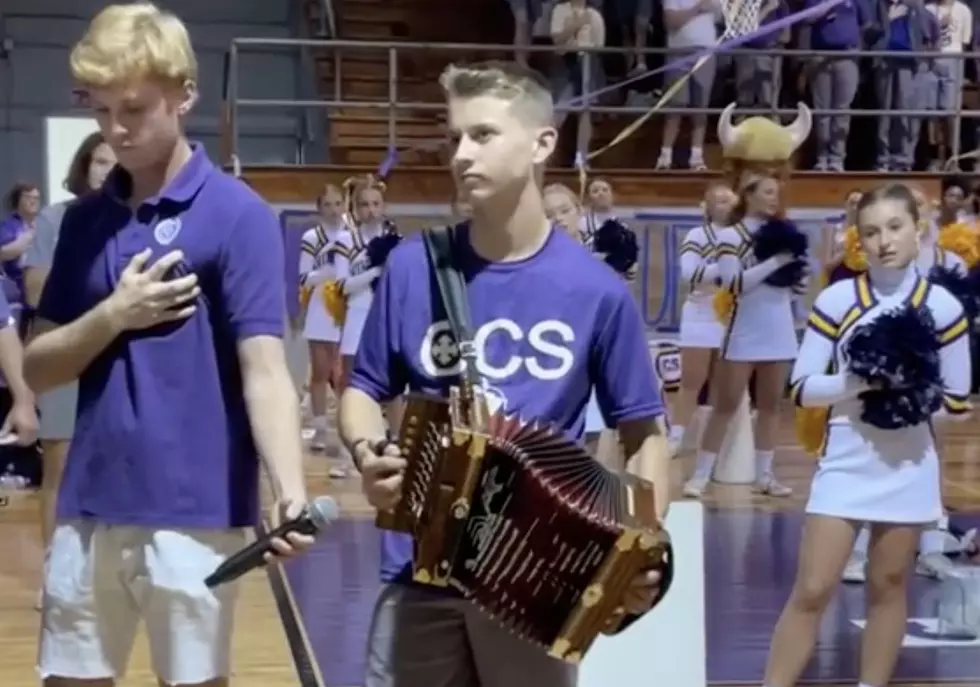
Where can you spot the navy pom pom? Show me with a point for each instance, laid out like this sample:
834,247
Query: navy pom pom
777,237
898,354
380,248
966,288
618,244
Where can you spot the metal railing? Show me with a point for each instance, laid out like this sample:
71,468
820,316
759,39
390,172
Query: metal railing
582,105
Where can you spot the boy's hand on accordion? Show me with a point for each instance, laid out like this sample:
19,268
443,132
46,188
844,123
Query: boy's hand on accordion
642,592
382,468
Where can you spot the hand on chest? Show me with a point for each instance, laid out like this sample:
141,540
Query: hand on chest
162,234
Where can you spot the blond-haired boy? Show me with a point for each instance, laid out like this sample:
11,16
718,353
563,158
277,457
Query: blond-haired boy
166,300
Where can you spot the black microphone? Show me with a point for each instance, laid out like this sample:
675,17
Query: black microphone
321,512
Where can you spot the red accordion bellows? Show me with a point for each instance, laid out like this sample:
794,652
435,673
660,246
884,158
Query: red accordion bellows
525,523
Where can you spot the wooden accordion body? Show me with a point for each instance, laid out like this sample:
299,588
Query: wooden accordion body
522,521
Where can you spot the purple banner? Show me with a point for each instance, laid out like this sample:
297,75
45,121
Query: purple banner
294,223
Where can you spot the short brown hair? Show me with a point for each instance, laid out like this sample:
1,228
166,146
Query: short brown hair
12,201
76,182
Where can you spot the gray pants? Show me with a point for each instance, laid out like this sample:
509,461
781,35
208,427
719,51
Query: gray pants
834,84
420,639
898,86
758,80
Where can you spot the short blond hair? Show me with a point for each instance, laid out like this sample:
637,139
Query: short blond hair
129,43
522,86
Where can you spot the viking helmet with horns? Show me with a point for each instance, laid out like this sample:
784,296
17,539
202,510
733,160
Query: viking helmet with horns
761,140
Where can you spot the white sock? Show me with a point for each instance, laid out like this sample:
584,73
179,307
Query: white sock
704,465
666,153
763,464
861,542
676,433
697,154
319,423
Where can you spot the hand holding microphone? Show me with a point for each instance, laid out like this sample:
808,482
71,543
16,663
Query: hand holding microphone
295,533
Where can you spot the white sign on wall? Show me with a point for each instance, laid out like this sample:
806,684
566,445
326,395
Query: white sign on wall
62,136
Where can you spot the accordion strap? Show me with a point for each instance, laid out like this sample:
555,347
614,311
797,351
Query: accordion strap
439,245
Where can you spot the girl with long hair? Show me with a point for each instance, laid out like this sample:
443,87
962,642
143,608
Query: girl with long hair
701,333
883,353
318,254
760,335
88,170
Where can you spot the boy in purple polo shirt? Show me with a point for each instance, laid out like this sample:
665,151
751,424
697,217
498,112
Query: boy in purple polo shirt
543,343
165,299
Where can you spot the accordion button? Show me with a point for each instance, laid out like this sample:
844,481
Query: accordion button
592,595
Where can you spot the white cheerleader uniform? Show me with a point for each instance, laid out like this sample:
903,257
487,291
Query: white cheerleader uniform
318,249
865,473
700,327
357,275
762,327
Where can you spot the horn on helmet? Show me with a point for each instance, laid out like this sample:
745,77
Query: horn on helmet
727,132
799,130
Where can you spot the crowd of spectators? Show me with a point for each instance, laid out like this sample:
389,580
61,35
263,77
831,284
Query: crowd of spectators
842,77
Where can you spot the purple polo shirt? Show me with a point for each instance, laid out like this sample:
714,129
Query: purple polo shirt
162,437
544,341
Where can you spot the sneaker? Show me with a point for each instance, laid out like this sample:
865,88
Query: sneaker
768,486
665,161
695,487
318,442
935,566
855,572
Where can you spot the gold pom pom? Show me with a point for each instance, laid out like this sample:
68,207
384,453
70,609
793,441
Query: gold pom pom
305,294
723,303
335,301
854,258
811,428
961,239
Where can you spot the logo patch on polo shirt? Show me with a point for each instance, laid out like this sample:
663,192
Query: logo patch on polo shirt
166,231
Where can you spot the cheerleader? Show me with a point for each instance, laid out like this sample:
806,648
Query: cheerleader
601,204
956,205
932,561
564,211
878,461
701,332
318,254
760,336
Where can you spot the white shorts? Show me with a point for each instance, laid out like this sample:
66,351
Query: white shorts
100,581
353,326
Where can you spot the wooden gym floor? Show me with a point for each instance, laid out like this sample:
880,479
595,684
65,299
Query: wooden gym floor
327,619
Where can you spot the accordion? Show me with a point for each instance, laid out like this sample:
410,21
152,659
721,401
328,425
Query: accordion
523,522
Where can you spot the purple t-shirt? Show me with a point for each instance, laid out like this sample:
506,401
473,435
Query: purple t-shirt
547,330
162,438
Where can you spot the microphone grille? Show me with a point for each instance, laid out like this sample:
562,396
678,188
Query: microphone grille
323,511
